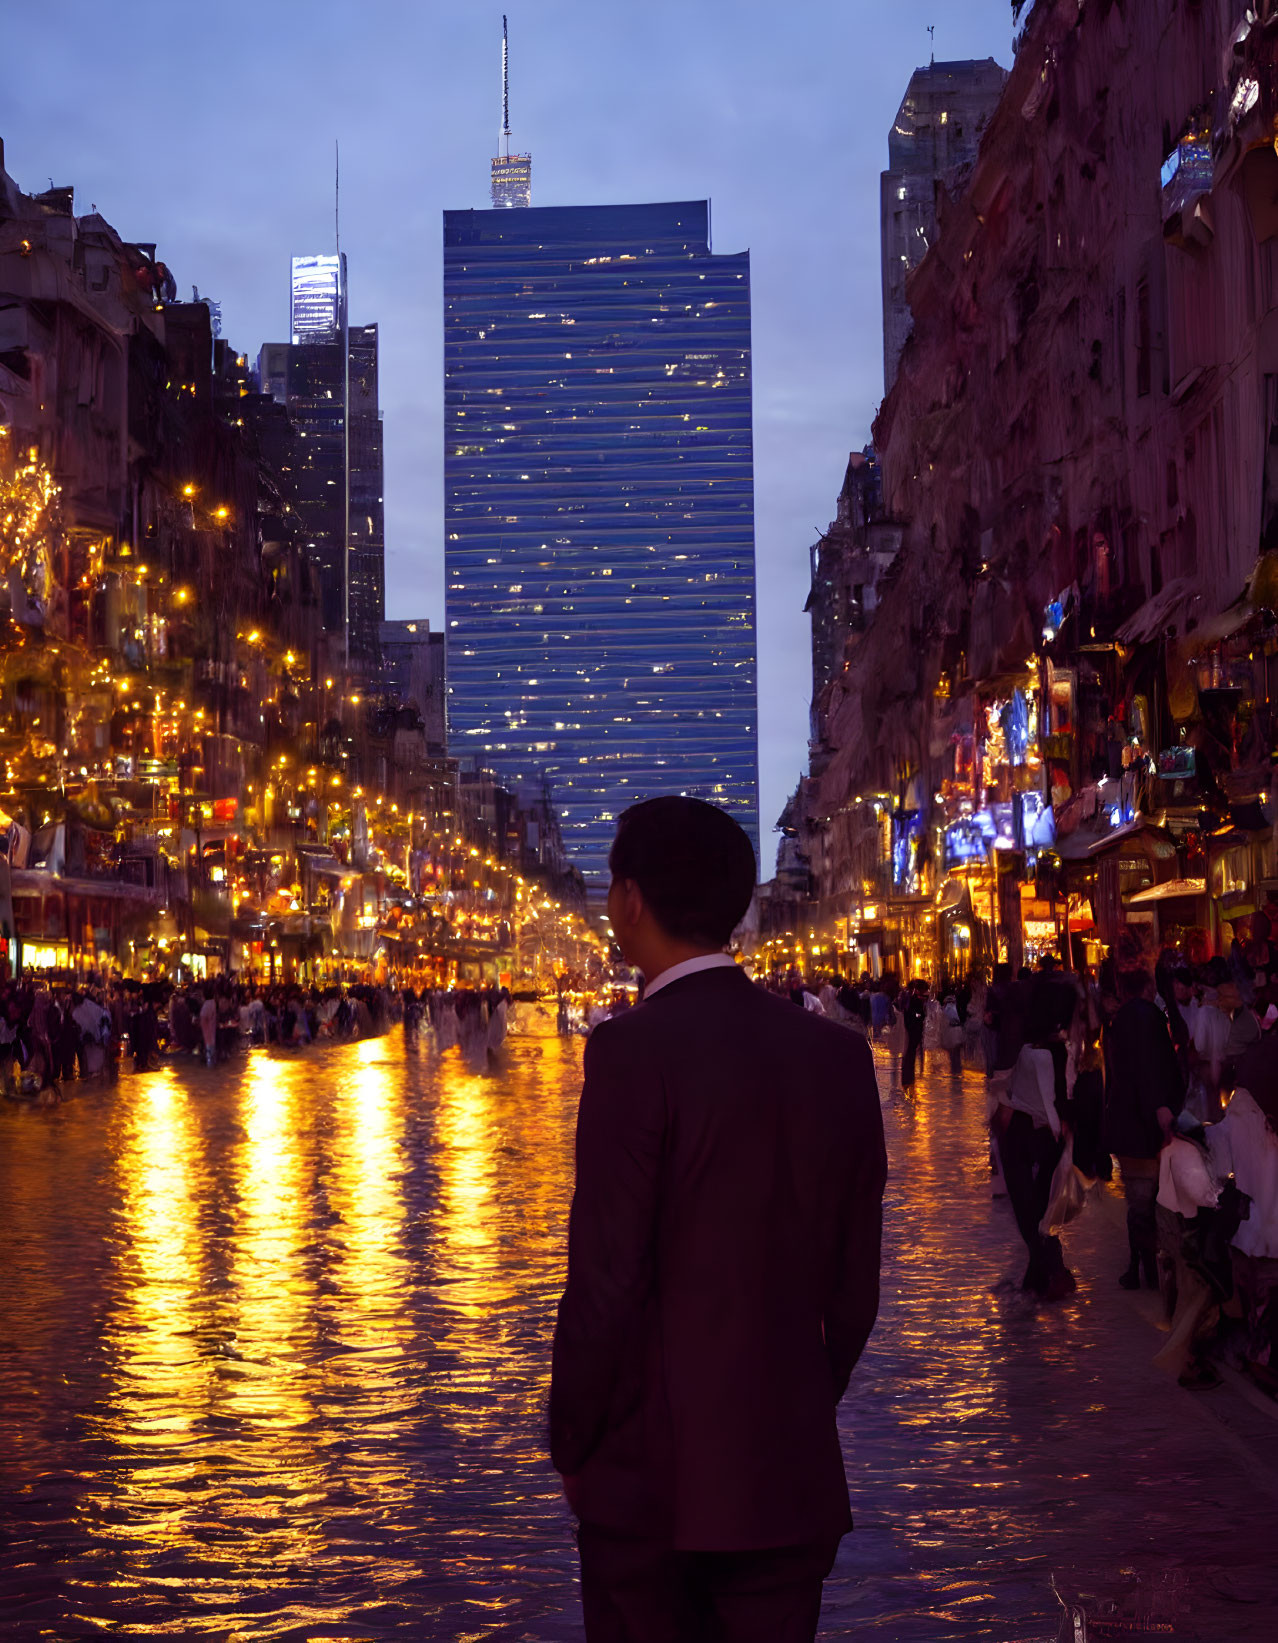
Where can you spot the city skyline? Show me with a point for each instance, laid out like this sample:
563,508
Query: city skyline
754,119
600,510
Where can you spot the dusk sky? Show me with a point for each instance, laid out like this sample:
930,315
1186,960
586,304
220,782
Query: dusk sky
209,129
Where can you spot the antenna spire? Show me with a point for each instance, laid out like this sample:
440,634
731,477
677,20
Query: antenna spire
505,89
511,173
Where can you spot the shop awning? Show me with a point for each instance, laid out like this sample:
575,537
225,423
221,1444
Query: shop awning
951,896
1170,608
323,862
1172,890
29,881
1085,844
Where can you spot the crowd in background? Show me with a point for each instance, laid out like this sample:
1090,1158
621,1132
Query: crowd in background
1167,1074
52,1032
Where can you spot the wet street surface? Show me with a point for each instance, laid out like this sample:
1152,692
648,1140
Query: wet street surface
274,1348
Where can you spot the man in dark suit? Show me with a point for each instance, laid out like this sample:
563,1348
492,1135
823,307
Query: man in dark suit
723,1266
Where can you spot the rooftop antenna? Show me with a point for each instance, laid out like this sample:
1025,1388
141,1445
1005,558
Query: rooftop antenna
337,196
505,90
931,29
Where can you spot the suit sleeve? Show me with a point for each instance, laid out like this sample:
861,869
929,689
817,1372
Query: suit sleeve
854,1301
611,1235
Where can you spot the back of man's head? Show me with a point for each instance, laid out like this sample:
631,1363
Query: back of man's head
693,864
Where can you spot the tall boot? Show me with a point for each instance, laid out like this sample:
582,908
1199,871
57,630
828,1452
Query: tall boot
1131,1278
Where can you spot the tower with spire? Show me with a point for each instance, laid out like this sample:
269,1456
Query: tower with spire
512,173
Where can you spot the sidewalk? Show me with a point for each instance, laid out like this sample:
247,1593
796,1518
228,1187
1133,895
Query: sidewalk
1007,1456
1239,1406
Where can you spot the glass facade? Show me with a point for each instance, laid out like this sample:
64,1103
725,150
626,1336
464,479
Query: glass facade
599,483
317,299
512,180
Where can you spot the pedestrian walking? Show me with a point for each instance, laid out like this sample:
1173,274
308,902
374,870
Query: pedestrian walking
914,1018
880,1012
1028,1127
722,1265
1143,1094
953,1036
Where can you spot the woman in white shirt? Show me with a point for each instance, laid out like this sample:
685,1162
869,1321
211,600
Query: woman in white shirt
1245,1145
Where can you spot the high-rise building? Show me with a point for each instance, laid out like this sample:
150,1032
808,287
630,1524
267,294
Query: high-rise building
412,667
317,299
327,379
367,561
599,510
511,173
936,133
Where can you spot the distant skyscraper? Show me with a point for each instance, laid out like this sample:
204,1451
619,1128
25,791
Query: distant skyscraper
937,130
327,379
317,306
367,563
412,665
599,510
512,173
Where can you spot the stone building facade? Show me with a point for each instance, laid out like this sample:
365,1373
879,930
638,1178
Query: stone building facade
1075,645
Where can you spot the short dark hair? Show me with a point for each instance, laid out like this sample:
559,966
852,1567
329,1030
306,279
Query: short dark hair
693,864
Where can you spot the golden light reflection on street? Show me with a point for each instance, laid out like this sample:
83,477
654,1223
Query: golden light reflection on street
163,1380
467,1164
366,1160
288,1338
273,1290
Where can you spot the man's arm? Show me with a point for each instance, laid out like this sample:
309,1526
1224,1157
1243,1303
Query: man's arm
620,1134
854,1303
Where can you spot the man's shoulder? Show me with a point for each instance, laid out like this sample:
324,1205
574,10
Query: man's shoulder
736,1011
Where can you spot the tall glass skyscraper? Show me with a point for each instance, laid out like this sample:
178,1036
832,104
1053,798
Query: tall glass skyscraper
599,480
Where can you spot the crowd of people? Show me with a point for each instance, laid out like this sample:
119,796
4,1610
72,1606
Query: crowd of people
52,1032
1168,1072
1171,1073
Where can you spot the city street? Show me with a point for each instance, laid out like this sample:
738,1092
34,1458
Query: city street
275,1353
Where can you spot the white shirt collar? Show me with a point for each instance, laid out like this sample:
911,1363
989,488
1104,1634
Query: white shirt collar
689,967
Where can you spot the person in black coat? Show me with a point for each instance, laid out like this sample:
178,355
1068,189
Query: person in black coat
1144,1090
723,1265
914,1014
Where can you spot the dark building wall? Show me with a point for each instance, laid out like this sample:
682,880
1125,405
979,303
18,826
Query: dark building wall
309,379
367,516
412,668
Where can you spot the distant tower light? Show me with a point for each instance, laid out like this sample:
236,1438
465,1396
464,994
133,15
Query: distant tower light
511,173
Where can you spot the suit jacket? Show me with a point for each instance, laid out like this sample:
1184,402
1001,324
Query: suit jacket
723,1268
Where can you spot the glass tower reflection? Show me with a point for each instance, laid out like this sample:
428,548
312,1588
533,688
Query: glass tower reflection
599,482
